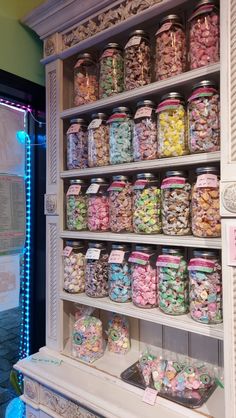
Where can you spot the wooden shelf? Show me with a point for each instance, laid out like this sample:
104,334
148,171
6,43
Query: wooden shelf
183,322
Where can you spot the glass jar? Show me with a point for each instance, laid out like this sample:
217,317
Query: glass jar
96,273
98,141
137,60
76,206
172,276
204,118
119,273
98,205
85,80
146,204
175,203
120,204
171,126
205,287
206,220
74,267
111,79
120,136
204,37
145,132
77,144
144,276
171,50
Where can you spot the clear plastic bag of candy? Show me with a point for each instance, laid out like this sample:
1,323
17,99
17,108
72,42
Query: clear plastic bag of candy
118,334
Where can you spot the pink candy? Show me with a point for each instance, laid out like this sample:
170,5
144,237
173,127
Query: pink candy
98,213
144,286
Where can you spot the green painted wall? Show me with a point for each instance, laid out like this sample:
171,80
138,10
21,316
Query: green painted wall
20,48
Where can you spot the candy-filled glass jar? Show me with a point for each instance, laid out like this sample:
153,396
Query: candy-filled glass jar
74,266
173,285
146,204
77,144
206,220
76,206
204,37
175,203
137,59
171,126
204,118
85,80
120,135
120,204
205,287
144,276
111,78
171,53
98,141
96,273
119,272
145,132
98,205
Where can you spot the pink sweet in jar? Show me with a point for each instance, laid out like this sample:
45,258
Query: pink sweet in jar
120,204
145,132
98,205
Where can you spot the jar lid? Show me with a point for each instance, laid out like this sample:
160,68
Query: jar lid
120,178
172,251
112,45
206,2
149,176
85,55
146,103
122,247
143,248
175,173
121,109
173,95
205,253
77,181
204,83
173,17
205,170
98,180
98,245
78,120
139,32
99,115
75,244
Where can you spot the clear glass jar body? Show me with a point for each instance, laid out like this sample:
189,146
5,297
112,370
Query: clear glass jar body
98,210
77,146
120,280
74,270
204,37
206,294
76,210
171,51
206,219
146,207
111,80
204,121
120,208
85,81
171,129
137,62
144,284
98,145
120,139
145,135
96,276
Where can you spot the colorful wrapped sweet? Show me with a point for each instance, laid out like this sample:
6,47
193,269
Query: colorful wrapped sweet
118,334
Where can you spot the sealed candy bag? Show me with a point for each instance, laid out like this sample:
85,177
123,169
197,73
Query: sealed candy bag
192,378
145,365
118,334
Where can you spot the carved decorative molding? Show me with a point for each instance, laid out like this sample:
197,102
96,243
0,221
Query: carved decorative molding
31,389
50,204
52,127
229,197
51,45
52,277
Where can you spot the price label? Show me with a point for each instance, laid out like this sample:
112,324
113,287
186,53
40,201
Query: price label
93,188
150,396
116,256
201,264
168,261
74,190
232,246
79,63
143,112
95,124
139,258
164,27
117,186
93,254
67,251
73,129
107,53
140,184
207,180
173,183
135,40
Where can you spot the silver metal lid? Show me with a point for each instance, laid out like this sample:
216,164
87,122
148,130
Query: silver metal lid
120,178
176,173
205,253
99,115
121,109
206,2
98,245
139,32
75,244
204,83
149,176
78,120
122,247
173,95
77,181
172,17
98,180
85,55
205,170
172,251
112,45
144,248
146,103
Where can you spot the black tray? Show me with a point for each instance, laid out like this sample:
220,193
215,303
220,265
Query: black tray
188,398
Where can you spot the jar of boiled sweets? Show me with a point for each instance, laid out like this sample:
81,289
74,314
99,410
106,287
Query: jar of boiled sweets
74,266
137,60
144,276
119,273
98,205
85,80
120,204
204,35
171,50
96,272
206,220
173,285
175,203
111,79
171,126
145,131
76,206
77,144
120,135
146,204
205,287
98,141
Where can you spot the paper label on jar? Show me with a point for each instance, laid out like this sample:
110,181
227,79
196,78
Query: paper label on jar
74,190
79,63
164,28
207,180
201,10
200,264
202,92
116,256
170,104
67,251
73,129
143,112
93,254
135,40
107,53
168,261
117,117
93,188
173,183
139,258
95,124
117,186
140,184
